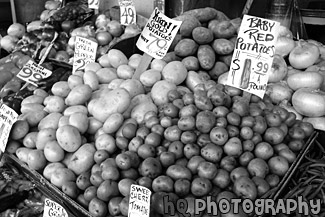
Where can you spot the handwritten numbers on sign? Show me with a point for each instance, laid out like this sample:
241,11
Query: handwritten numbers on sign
128,12
158,34
33,73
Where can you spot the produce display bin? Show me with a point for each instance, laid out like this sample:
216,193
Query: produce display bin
73,209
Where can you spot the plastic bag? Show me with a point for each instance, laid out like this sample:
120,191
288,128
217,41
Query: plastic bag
297,25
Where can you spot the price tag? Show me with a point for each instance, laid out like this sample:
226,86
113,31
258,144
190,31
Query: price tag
253,55
85,52
127,12
158,34
93,4
139,202
33,73
53,209
7,118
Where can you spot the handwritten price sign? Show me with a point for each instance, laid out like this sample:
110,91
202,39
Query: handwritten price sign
93,4
53,209
158,34
7,118
33,73
253,56
127,11
85,52
139,203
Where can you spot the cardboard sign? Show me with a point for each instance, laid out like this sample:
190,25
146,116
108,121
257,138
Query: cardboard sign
253,55
7,118
128,14
139,202
93,4
85,52
33,73
158,34
53,209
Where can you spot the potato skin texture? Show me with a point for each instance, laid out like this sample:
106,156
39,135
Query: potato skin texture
206,56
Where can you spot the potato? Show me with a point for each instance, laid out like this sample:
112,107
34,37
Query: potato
83,159
178,172
61,176
40,92
105,142
78,95
112,101
43,136
205,121
106,75
244,187
22,154
189,23
141,98
74,80
125,71
174,72
116,58
163,183
186,47
90,78
191,63
61,88
157,64
114,84
201,186
31,107
150,167
223,46
218,69
113,123
150,77
193,79
69,138
75,109
139,111
202,35
50,121
12,146
222,29
50,168
93,125
170,56
54,104
64,120
19,129
206,56
206,14
160,90
80,121
29,140
33,99
34,118
133,86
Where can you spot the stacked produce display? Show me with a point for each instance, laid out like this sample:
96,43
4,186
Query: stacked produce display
179,130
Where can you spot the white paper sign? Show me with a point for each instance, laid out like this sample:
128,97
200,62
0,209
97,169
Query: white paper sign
253,55
85,52
33,73
128,13
53,209
158,34
139,202
7,118
93,4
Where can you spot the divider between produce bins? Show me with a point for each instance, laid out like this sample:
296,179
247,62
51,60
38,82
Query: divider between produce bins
73,209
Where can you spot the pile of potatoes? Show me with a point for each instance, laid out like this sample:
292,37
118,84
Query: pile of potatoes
175,131
206,41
